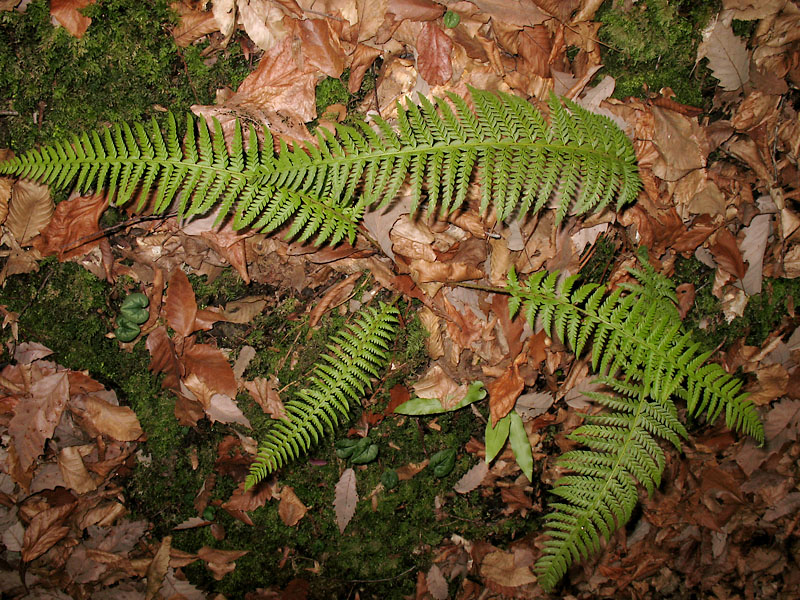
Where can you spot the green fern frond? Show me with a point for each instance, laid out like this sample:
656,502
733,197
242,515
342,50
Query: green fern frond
599,495
635,335
340,379
580,160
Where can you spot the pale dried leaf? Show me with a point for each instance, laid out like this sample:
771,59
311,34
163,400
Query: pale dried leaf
727,53
224,409
117,422
437,584
472,478
157,569
193,24
263,22
67,13
74,472
345,498
500,567
438,384
753,247
264,393
246,355
245,309
224,12
434,343
290,509
30,210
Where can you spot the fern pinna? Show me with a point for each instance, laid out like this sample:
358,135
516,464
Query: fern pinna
639,351
581,160
342,376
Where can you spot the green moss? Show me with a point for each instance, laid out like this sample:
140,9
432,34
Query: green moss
125,66
762,314
654,44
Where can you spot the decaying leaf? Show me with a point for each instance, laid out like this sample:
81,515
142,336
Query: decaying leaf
290,509
345,498
727,53
30,210
180,306
472,478
68,14
264,393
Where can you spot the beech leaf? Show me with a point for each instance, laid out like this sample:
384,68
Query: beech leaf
180,305
290,509
345,498
472,478
30,210
727,53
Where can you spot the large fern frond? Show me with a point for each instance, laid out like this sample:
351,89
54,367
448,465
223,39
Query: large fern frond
581,160
342,377
599,494
637,336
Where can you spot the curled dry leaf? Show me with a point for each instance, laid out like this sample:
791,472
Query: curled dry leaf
211,367
434,343
45,530
333,298
220,562
193,24
438,384
30,210
117,422
726,253
157,569
73,471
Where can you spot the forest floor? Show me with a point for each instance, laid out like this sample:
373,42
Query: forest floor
122,463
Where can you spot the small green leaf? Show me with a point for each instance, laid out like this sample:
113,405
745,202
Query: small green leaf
451,19
432,406
126,331
135,300
369,454
496,437
133,308
390,479
520,444
443,462
209,512
345,447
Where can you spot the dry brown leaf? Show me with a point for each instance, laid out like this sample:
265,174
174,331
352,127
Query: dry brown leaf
30,210
434,343
67,13
513,12
277,84
263,22
408,471
73,230
362,59
726,253
434,48
679,141
264,393
345,498
438,384
220,562
424,271
45,530
73,471
36,416
773,382
437,584
157,569
504,391
224,409
320,45
245,309
500,567
252,499
5,197
193,24
211,367
753,247
27,352
180,306
727,53
164,359
117,422
335,296
472,478
290,509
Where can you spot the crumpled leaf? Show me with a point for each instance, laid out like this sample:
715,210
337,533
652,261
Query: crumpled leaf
727,53
45,530
117,422
220,562
438,384
73,471
501,568
211,367
727,254
345,498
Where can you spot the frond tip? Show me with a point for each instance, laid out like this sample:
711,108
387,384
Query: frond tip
340,379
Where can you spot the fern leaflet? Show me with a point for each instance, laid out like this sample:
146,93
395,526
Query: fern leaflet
339,379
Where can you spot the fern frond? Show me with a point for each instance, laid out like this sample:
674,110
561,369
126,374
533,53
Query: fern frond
635,333
599,495
341,378
581,160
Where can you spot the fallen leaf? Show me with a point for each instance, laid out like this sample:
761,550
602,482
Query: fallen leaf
164,359
773,381
73,229
753,247
727,53
180,306
157,569
504,391
220,562
434,343
438,384
27,352
437,584
434,48
193,24
44,531
290,508
345,498
68,14
211,367
30,210
263,392
726,253
36,416
500,567
263,22
117,422
252,499
73,471
245,309
224,409
335,296
472,478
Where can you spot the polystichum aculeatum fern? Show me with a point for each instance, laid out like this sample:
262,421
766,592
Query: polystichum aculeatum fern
640,351
342,377
580,160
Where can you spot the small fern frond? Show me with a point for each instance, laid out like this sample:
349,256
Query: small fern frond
340,379
636,335
600,494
